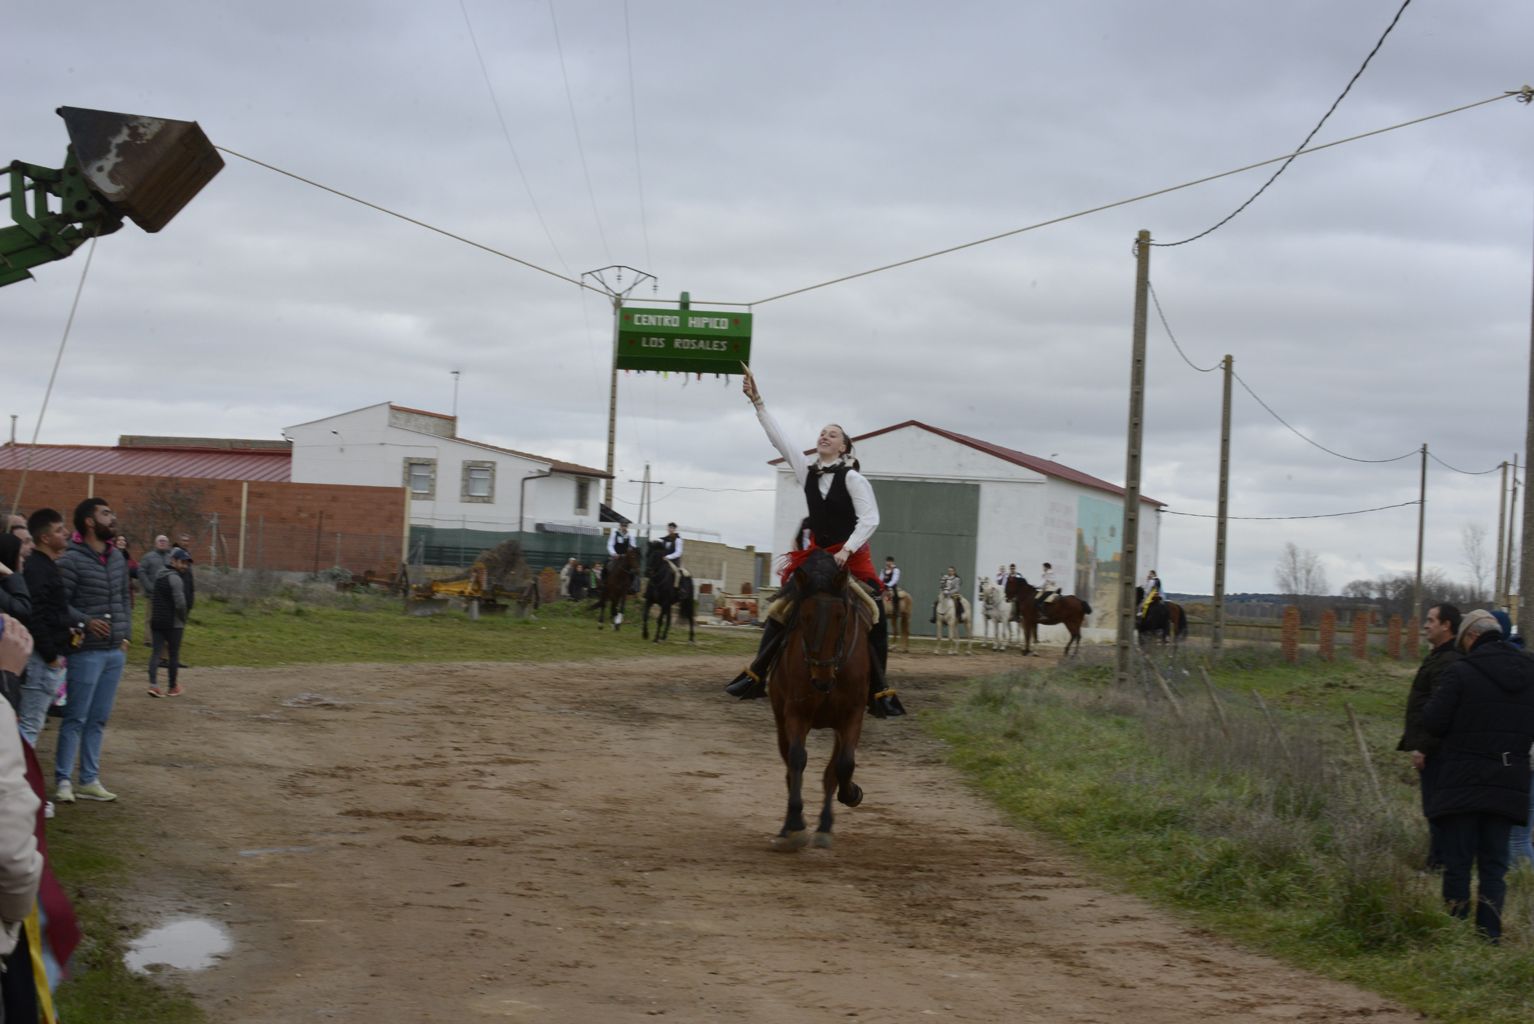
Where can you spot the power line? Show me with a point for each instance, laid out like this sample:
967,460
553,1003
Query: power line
628,45
1521,94
1320,515
506,133
1168,327
1330,110
574,123
1310,441
410,220
1467,472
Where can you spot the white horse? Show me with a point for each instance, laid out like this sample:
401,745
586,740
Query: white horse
999,615
949,609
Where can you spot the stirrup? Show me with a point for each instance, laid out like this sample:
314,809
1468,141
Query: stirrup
746,686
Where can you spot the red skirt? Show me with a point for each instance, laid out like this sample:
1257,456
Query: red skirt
860,565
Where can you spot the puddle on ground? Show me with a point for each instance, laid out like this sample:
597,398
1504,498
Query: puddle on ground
186,944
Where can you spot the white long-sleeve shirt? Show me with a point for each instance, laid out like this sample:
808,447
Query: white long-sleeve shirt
612,542
675,554
892,576
864,505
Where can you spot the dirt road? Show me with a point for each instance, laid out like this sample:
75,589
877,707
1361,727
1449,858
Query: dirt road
588,843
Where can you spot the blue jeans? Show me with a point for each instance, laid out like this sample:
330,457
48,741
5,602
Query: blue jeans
37,693
93,678
1520,847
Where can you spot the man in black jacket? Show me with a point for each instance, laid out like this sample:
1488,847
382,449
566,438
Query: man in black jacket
1441,627
49,623
1483,712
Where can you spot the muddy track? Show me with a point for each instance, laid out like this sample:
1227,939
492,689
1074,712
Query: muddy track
588,843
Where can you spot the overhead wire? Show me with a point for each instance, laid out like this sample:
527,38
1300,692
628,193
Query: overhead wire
506,133
1321,515
412,220
1467,472
53,376
1520,94
1168,328
1285,166
575,123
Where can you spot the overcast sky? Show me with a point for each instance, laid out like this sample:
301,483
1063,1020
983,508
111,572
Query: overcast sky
1377,296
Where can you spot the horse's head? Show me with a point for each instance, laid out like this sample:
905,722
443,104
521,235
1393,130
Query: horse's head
828,624
819,574
1018,588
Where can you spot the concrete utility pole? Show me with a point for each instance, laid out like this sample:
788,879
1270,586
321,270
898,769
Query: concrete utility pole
616,293
1130,538
1416,591
1507,560
1222,509
1498,589
1526,556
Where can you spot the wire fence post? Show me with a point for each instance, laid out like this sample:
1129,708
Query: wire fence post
1363,748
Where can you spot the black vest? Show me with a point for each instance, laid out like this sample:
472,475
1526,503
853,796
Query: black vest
832,517
669,542
621,544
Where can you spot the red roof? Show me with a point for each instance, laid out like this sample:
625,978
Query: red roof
190,463
1017,458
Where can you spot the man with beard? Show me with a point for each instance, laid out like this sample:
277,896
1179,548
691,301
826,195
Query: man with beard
95,577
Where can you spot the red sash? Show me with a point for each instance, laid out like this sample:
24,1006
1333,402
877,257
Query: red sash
860,565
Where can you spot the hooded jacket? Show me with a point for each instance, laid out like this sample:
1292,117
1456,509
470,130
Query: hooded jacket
1483,712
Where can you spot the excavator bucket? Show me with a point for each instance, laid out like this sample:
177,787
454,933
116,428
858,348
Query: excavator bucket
147,168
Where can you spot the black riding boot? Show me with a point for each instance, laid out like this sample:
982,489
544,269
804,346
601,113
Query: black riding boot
752,683
882,701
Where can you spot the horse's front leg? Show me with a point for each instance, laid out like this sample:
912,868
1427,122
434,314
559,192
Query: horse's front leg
838,780
644,620
791,736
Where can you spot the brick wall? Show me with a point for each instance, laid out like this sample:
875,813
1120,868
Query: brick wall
285,527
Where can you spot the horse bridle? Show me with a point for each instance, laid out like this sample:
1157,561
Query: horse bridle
823,671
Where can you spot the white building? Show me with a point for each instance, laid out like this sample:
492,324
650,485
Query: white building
462,493
949,499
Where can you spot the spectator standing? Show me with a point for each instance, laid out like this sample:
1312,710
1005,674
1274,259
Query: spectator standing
566,574
95,576
21,865
49,624
1440,628
1521,841
168,611
152,564
1483,712
15,601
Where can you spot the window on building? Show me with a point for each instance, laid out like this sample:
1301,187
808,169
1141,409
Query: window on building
478,481
582,497
421,477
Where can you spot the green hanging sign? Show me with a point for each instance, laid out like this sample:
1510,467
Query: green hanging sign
685,340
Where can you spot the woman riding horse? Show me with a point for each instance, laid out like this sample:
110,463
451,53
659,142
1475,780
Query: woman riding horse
843,516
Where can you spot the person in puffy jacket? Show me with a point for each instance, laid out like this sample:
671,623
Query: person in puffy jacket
172,602
1483,714
95,577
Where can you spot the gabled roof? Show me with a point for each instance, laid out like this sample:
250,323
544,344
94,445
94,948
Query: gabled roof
269,466
1012,455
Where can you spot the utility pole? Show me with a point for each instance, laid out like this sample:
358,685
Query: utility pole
1222,509
1415,630
1526,556
1512,517
1498,586
616,293
1130,537
644,500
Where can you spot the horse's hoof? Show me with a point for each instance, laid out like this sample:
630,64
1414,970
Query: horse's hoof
793,842
822,841
852,796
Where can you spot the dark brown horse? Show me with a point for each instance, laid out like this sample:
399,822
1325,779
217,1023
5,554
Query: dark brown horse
1164,617
820,681
1065,610
617,581
663,592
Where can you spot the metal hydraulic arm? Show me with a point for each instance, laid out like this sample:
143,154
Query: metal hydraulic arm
116,166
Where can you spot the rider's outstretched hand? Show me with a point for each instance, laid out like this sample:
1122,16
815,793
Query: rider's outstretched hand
748,385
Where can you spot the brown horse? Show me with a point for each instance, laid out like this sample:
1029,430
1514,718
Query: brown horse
820,681
899,619
617,581
1067,611
1164,617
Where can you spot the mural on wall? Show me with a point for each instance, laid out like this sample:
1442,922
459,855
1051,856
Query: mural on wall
1098,550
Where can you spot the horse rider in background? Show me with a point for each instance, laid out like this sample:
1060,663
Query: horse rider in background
1001,576
619,543
1049,588
891,580
950,583
673,545
1152,591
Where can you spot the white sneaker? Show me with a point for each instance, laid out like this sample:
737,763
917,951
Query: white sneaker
95,791
47,808
64,792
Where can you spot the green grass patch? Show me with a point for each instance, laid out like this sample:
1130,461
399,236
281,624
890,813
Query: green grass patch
90,849
295,629
1271,833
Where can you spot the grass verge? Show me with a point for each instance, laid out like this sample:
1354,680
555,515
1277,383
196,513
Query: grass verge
1271,833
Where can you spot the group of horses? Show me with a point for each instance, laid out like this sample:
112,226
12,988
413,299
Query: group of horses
661,591
1016,609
